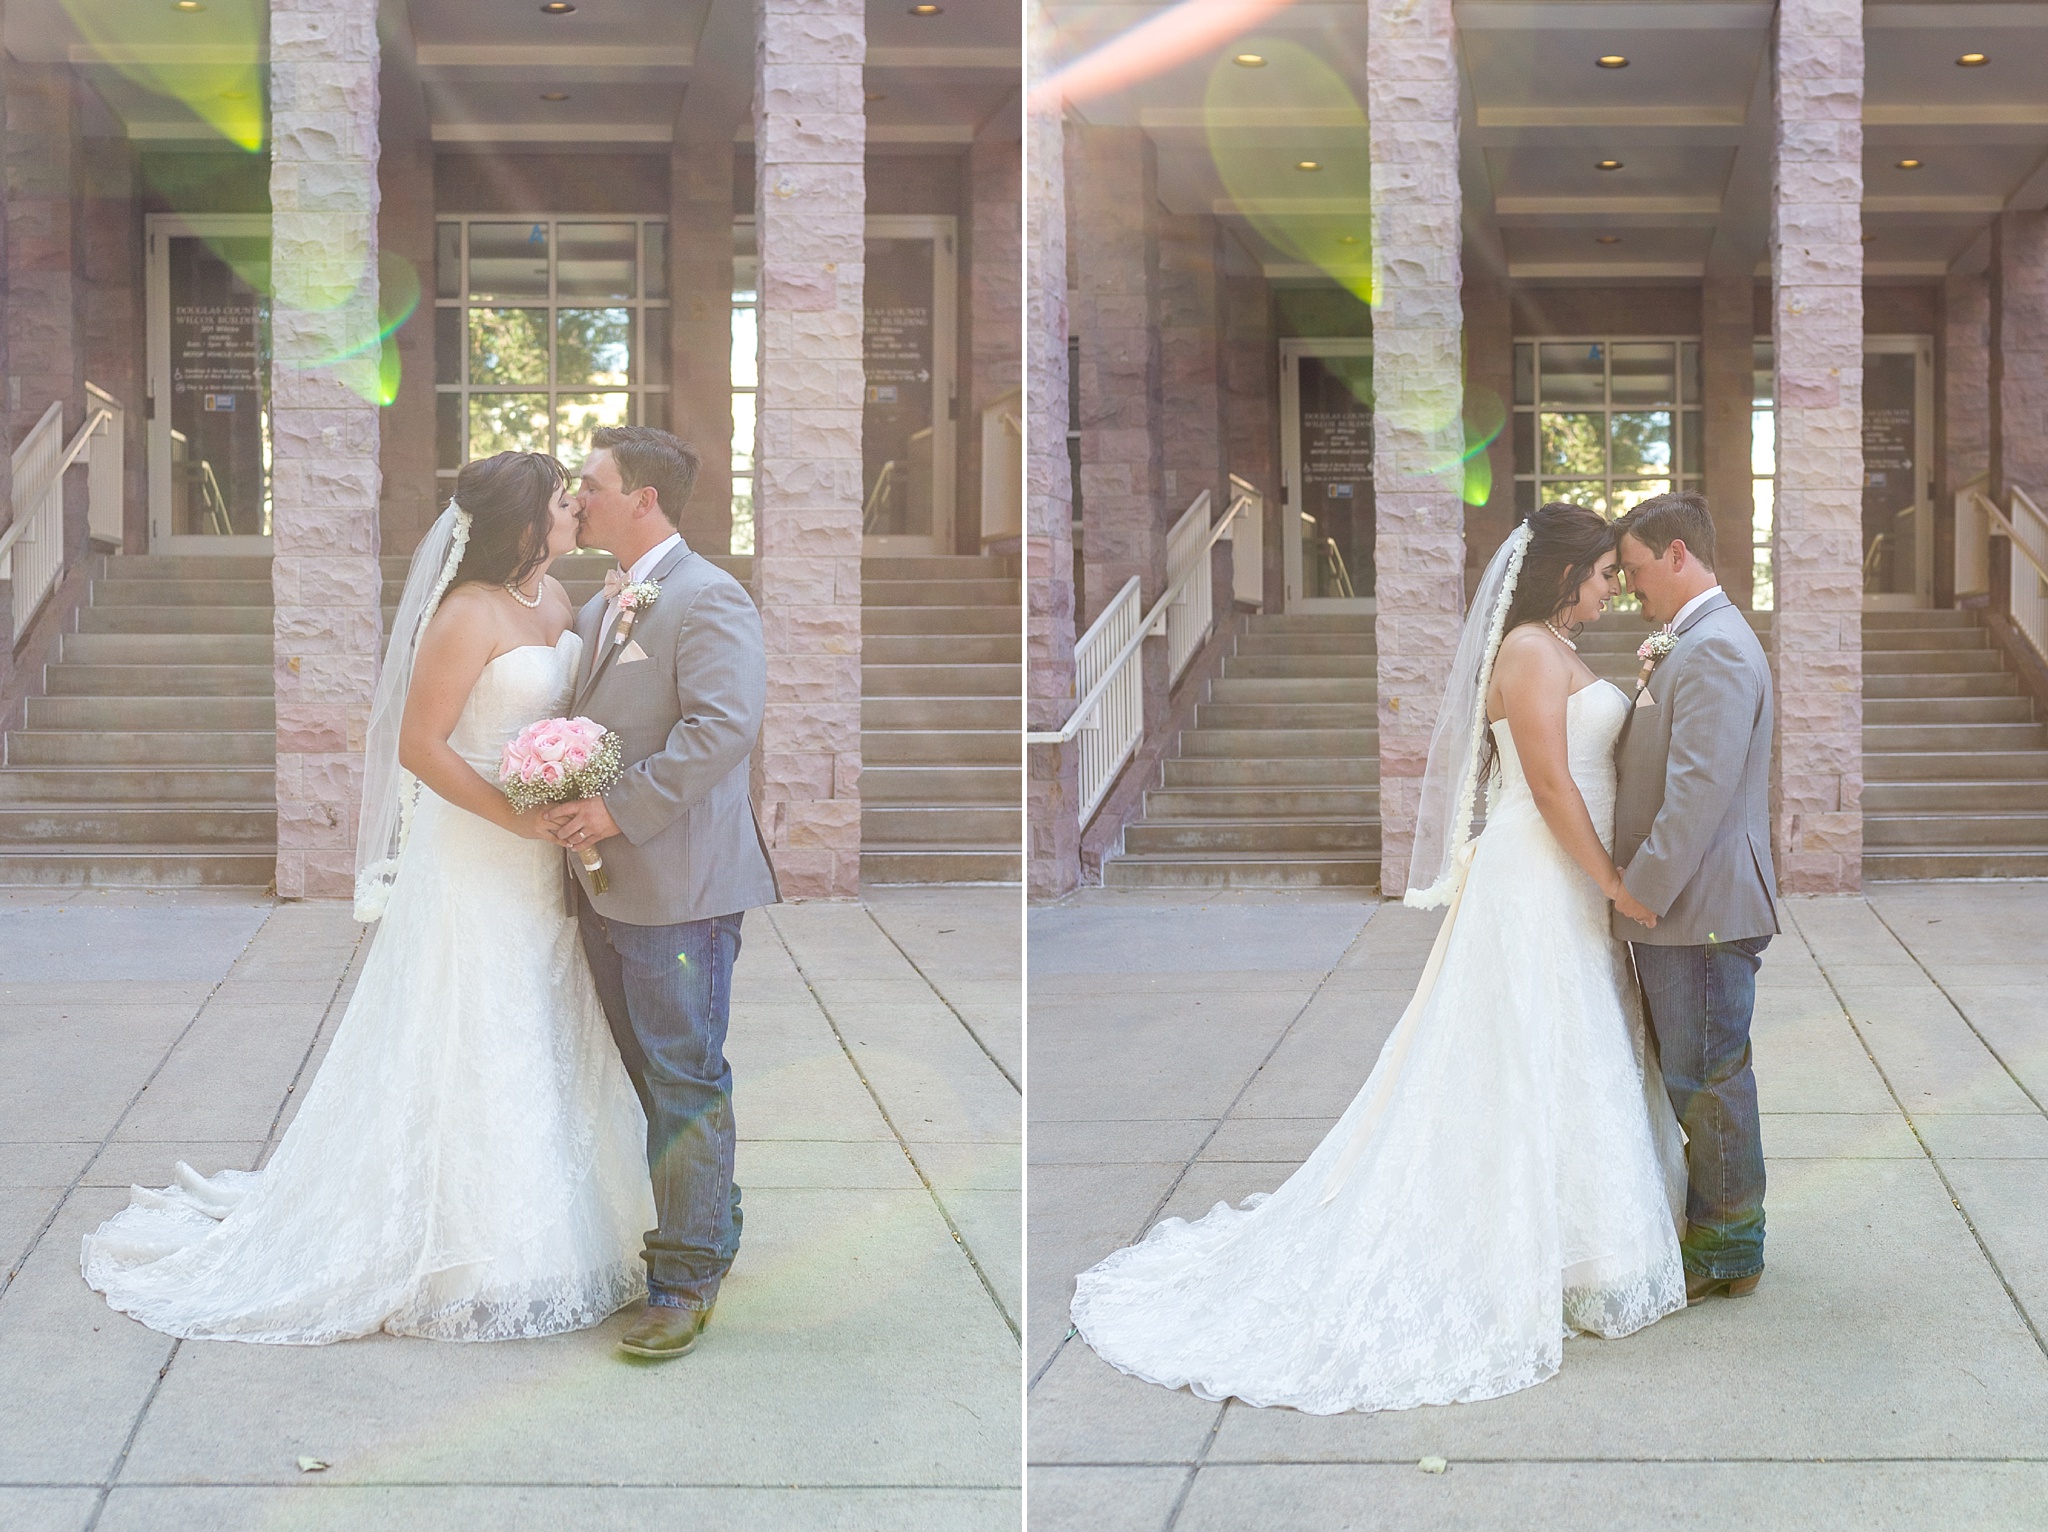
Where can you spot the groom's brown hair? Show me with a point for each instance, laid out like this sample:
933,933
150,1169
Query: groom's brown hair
1680,516
645,457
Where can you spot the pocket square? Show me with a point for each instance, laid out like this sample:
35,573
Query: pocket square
632,652
1644,699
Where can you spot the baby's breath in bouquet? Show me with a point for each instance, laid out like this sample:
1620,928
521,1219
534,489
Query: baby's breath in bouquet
558,759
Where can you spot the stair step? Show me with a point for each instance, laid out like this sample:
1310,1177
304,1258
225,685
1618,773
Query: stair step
1269,689
933,865
158,866
986,786
1231,872
941,713
145,714
1286,715
183,567
1896,640
1252,837
988,829
956,747
1163,803
1006,649
82,824
173,680
1260,642
1880,797
1984,683
1948,710
164,649
1974,862
875,592
1300,667
48,747
1313,622
1953,830
1931,662
1935,766
251,593
176,620
878,680
1263,773
1878,738
238,785
1247,743
906,620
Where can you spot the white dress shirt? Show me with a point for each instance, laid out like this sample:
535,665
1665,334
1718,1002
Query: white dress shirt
643,566
1672,627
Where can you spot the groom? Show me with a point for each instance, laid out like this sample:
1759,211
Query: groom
1692,835
678,670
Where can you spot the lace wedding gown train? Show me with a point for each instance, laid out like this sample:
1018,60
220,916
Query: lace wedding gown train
469,1162
1525,1179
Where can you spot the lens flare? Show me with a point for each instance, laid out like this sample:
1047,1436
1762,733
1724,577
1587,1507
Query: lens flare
1173,37
1485,418
218,73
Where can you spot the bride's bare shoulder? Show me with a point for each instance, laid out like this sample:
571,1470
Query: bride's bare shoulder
1527,644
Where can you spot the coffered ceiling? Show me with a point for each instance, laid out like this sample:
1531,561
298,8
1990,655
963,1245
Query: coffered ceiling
477,74
1687,120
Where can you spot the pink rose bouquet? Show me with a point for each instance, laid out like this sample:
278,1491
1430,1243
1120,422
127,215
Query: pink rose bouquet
558,759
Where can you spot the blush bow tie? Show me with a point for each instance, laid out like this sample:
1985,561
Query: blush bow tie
614,582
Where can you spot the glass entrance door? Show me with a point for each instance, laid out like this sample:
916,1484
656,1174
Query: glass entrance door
1326,465
907,346
1898,471
209,383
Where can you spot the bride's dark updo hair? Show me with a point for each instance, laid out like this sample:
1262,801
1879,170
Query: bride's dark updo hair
1566,544
507,496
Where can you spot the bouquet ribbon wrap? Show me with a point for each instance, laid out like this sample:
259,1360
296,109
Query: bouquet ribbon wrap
557,760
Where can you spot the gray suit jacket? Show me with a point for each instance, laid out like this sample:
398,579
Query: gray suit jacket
1692,829
688,715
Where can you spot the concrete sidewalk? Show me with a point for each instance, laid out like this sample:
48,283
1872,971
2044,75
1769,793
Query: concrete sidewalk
863,1371
1890,1373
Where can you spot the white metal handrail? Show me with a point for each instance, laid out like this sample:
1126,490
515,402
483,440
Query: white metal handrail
2027,529
1109,717
32,548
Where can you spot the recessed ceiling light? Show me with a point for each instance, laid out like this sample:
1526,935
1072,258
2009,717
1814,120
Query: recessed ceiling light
1607,165
1612,61
557,8
554,95
1606,239
926,10
1909,164
1308,164
1972,60
1250,61
188,6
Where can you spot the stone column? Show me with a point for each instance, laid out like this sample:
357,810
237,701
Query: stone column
1418,435
1727,381
2019,354
810,198
1817,633
1965,411
995,306
45,249
324,429
110,226
412,496
1251,412
1190,364
1051,805
700,327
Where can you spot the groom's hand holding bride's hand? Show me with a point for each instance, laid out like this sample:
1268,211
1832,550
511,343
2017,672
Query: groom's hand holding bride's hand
578,823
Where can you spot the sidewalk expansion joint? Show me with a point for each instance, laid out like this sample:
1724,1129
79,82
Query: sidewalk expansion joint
952,1228
1194,1469
99,1505
965,1025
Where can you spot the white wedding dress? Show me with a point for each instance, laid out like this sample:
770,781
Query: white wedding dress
1526,1177
469,1163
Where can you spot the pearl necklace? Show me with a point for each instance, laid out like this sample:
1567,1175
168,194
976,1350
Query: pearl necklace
1559,636
521,597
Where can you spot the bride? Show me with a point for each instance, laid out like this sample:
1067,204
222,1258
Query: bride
1511,1171
468,1163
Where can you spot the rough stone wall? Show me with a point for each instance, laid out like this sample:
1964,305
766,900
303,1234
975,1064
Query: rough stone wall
7,666
2019,357
700,320
324,429
1190,364
1817,634
411,497
1966,377
809,137
1418,437
110,227
1053,831
45,247
1727,358
1251,406
995,307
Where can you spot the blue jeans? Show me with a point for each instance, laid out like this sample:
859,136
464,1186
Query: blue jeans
1700,1003
667,991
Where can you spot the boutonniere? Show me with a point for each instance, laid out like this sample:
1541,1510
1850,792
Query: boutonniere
1652,651
634,598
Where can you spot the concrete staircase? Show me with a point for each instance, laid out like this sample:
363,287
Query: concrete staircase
1277,783
942,704
149,759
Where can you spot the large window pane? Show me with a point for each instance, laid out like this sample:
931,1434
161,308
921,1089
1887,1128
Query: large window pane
1693,445
654,260
447,345
1525,373
507,423
1525,442
508,346
1641,441
448,430
742,515
1574,444
448,260
1642,373
746,348
651,359
1588,492
1690,390
1574,372
577,415
594,260
592,346
508,260
1629,493
1763,442
743,433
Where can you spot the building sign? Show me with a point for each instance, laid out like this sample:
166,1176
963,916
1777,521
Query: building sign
1335,400
1890,475
215,349
896,353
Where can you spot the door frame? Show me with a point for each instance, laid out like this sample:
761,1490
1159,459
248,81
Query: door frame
159,229
1292,350
1921,348
942,229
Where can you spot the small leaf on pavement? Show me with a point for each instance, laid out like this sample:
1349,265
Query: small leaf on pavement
311,1465
1432,1465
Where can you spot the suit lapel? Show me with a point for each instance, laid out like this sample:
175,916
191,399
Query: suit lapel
602,663
1713,605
